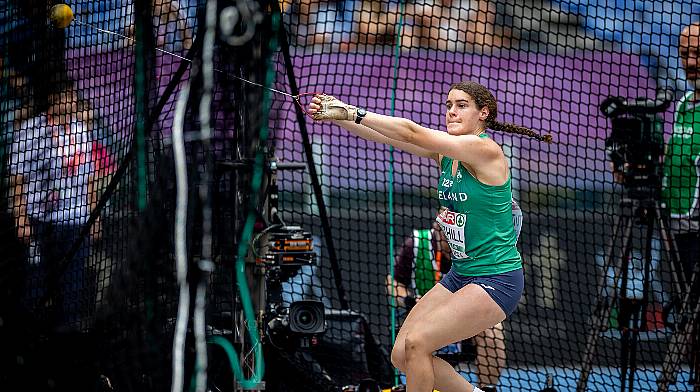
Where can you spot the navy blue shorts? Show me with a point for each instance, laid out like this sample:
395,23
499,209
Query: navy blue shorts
505,288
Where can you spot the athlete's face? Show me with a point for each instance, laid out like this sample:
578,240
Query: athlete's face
689,50
463,116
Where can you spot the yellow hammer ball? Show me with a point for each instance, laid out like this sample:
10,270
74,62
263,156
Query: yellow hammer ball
61,15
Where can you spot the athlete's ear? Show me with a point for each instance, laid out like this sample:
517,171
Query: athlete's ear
484,114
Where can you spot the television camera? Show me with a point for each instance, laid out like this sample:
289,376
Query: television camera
283,251
635,144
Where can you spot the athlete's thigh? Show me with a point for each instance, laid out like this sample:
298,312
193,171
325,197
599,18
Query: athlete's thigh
425,304
459,316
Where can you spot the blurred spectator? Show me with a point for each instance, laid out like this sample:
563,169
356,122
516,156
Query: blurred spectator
645,28
682,159
173,22
681,181
376,23
55,170
170,19
15,89
453,25
323,22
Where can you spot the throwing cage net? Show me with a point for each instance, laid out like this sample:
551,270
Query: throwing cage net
172,219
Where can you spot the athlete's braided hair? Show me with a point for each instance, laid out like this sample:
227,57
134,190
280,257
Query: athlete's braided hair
483,97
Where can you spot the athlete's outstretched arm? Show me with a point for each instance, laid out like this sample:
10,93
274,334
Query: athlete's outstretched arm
470,149
372,135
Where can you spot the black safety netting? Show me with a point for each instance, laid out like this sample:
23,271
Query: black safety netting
160,175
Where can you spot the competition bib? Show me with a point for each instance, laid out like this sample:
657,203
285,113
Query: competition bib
453,225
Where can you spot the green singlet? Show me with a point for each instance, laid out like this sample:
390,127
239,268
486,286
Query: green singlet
477,220
681,182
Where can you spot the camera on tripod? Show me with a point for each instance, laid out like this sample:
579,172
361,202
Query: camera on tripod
635,147
283,251
635,144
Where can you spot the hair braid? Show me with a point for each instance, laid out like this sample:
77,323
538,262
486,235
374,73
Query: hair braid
483,98
520,130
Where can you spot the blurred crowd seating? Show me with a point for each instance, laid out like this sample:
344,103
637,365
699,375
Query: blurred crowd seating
649,28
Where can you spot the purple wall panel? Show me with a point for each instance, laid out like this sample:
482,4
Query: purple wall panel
549,93
105,78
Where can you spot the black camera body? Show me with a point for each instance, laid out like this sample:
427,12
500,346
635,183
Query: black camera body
636,142
307,317
283,251
298,326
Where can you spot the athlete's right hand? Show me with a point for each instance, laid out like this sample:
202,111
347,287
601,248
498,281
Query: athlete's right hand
327,107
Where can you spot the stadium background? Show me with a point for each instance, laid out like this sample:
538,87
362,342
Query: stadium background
549,63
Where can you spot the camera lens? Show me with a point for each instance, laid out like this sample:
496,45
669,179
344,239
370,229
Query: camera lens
306,317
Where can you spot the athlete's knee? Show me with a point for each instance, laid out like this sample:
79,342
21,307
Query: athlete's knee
416,344
398,356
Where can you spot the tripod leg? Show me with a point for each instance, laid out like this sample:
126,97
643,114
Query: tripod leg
632,342
624,354
681,339
640,306
671,253
627,319
601,314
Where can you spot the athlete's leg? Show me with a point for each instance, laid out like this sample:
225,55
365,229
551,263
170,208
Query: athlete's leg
423,306
450,380
462,315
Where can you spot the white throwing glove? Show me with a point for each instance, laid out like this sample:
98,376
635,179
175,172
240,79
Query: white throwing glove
334,109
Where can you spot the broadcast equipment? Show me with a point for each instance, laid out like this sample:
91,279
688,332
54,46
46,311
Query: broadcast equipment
287,246
283,250
635,144
297,326
306,317
635,147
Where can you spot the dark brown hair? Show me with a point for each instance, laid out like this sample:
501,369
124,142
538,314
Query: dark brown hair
483,98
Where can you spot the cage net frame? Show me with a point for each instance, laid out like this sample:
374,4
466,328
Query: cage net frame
93,301
110,317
